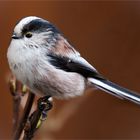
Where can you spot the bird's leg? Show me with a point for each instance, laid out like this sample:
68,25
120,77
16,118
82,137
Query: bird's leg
44,105
36,118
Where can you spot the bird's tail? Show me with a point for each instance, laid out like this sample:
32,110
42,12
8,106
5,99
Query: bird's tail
116,90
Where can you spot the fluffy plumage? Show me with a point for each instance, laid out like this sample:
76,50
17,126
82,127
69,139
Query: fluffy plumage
49,65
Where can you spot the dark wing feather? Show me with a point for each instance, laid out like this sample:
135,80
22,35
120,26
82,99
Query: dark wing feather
71,65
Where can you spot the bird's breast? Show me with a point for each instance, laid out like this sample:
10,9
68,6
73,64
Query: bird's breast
21,60
30,66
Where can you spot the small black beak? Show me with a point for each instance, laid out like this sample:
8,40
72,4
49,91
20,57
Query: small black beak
14,36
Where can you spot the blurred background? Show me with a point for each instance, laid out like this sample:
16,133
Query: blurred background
107,34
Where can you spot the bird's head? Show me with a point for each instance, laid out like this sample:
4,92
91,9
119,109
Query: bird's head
34,32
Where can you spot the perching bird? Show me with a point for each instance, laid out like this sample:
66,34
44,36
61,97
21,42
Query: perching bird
41,58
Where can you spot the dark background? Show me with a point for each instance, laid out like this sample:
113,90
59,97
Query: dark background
107,34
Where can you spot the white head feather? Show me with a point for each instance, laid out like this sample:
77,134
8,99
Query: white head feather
18,28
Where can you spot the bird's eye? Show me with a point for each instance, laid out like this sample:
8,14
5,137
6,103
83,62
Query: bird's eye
28,34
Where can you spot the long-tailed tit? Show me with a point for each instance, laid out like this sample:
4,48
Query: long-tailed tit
41,58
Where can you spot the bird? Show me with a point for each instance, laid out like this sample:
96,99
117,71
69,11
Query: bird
41,58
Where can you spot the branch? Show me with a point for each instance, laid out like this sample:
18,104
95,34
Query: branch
34,122
14,85
26,112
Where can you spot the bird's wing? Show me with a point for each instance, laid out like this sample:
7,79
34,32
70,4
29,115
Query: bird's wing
65,57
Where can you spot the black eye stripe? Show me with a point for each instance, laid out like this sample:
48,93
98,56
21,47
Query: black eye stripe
38,25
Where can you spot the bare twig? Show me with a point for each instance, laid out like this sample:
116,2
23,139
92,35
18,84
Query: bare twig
44,105
25,115
14,85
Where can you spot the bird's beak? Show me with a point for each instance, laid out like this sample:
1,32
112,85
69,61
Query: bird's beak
15,36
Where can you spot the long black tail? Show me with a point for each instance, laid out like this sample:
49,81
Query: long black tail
116,90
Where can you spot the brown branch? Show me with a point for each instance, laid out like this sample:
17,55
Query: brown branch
25,115
44,105
16,108
14,85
